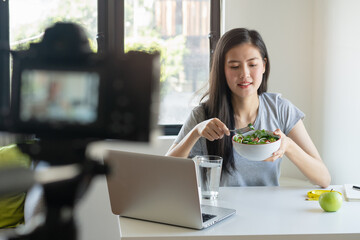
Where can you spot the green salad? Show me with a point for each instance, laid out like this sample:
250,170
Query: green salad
258,137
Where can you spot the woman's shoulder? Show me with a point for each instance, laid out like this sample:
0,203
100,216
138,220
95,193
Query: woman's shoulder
196,115
199,108
198,112
274,99
271,95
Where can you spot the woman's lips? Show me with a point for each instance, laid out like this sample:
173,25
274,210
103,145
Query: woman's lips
244,84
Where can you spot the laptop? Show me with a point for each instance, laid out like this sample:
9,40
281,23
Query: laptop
160,189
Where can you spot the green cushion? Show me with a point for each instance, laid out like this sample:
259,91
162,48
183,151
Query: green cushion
12,207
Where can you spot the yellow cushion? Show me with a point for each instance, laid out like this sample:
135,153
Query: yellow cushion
12,207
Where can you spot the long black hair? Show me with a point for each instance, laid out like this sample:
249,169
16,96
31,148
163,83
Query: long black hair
218,97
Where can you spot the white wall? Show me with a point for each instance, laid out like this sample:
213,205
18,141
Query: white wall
314,54
337,52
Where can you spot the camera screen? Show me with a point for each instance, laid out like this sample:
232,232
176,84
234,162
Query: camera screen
59,96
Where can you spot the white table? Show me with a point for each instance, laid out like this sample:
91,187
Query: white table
262,213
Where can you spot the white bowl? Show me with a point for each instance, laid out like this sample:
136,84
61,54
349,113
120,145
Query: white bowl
257,152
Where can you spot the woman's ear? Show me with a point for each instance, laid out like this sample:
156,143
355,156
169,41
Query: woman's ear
264,62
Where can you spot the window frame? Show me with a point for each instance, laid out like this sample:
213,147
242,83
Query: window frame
4,60
110,38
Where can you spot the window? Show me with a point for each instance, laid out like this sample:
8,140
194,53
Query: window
28,26
180,29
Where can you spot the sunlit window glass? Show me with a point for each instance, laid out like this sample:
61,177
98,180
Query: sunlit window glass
30,18
179,30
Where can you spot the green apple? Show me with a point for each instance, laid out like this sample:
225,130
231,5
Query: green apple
330,201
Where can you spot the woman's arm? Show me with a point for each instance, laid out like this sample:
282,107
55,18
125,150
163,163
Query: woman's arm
211,129
300,149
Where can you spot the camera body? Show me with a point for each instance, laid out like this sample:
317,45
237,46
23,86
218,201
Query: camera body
60,89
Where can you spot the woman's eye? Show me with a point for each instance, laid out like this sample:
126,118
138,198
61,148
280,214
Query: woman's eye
234,67
253,65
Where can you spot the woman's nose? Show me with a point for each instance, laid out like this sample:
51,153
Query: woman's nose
244,72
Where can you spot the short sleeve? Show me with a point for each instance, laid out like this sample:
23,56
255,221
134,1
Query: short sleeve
289,114
196,116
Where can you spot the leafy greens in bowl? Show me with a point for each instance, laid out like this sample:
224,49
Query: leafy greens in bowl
256,145
257,137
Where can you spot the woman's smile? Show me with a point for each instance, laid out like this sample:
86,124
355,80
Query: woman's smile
244,85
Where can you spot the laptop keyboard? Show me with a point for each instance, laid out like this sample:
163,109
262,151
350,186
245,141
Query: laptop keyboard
207,217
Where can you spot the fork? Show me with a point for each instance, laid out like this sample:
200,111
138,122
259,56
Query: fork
243,130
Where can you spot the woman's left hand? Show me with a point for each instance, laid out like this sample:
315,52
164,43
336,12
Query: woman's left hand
281,151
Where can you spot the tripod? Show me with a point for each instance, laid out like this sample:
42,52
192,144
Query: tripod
61,196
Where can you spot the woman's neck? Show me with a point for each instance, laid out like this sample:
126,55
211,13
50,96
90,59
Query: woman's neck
245,110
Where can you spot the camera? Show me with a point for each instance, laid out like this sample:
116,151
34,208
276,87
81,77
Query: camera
61,89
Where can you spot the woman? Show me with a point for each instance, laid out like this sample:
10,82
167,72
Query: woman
236,97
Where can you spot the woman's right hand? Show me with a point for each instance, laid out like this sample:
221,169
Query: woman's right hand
212,129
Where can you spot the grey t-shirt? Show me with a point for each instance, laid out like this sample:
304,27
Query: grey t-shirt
274,112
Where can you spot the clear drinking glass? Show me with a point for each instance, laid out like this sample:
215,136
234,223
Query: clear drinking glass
208,173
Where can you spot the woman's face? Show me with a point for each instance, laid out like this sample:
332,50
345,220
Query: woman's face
244,69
